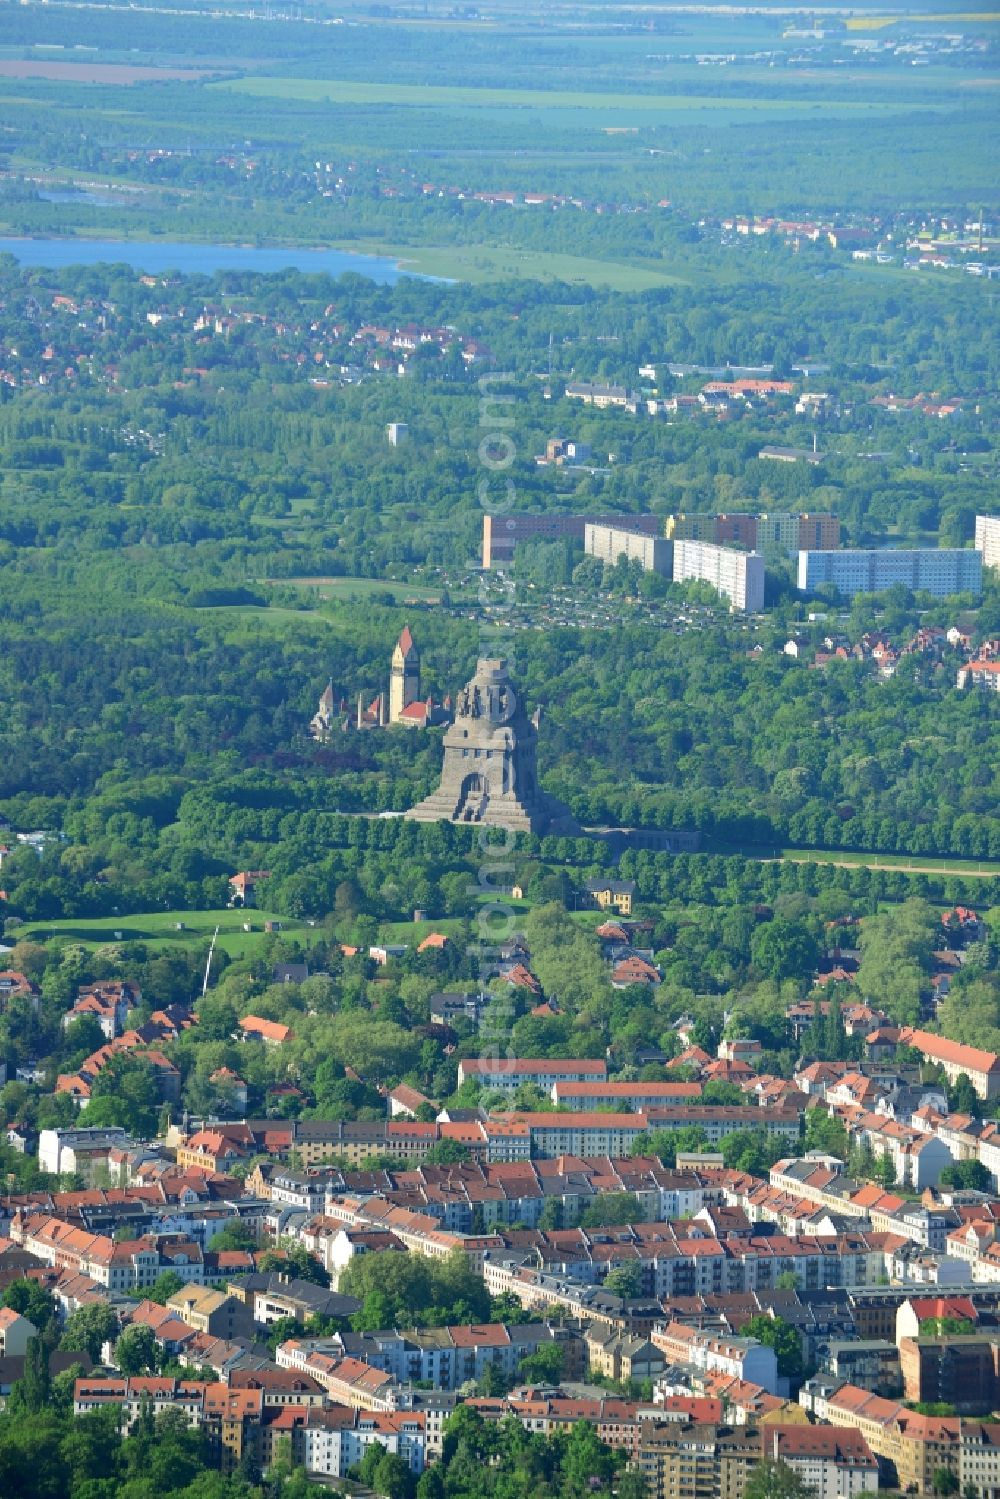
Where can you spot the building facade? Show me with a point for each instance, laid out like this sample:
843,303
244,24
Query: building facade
609,543
937,570
988,539
503,533
738,576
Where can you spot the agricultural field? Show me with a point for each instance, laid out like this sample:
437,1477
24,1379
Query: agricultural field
720,106
96,72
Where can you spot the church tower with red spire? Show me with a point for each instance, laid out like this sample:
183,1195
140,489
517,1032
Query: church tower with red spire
404,683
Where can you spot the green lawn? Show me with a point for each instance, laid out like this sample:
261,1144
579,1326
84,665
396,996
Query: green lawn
359,588
414,932
486,263
158,929
917,863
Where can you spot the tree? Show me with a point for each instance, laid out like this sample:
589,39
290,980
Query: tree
587,1463
166,1284
386,1473
609,1209
296,1260
447,1153
625,1280
544,1366
885,1170
399,1290
778,1334
944,1481
753,1151
89,1328
963,1098
30,1394
507,1309
776,1480
124,1093
666,1143
970,1176
493,1381
826,1133
235,1235
551,1215
31,1300
783,949
136,1351
31,1461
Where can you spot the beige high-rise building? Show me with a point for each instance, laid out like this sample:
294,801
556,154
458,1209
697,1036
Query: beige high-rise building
609,543
988,539
738,576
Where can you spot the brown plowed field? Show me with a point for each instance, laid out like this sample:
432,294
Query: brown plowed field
96,72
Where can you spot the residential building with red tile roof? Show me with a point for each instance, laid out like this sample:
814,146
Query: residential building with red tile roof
271,1032
520,977
835,1462
982,1068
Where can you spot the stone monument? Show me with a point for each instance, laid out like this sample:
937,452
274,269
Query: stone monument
489,774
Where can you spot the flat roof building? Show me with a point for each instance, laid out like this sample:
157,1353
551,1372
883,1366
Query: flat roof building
609,543
940,571
988,539
738,576
502,533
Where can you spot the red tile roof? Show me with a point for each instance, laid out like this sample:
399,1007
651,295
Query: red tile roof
969,1057
267,1030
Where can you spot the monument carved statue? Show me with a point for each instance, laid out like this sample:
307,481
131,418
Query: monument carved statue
489,775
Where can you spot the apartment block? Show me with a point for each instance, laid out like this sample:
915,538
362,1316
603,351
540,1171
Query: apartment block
692,528
680,1460
83,1151
836,1463
734,529
610,543
636,1096
509,1073
738,576
988,539
738,1358
940,571
819,532
982,674
330,1442
503,533
780,531
959,1371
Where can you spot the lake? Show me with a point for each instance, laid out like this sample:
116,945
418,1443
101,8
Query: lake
198,259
